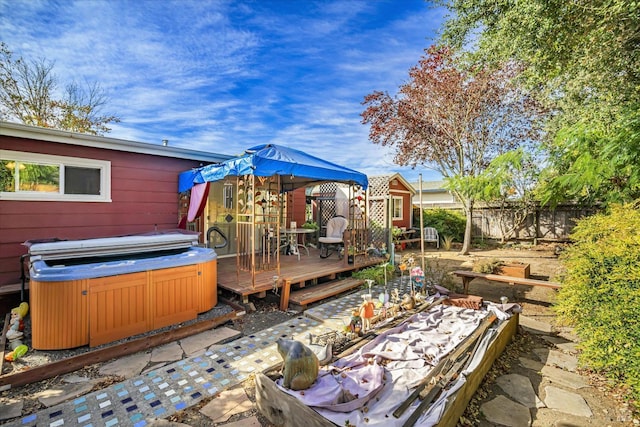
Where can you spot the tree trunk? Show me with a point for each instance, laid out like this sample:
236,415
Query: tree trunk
466,244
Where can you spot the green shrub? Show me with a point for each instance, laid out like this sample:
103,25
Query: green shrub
311,225
601,293
489,266
376,273
447,222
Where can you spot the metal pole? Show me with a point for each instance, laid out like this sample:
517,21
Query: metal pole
391,245
421,225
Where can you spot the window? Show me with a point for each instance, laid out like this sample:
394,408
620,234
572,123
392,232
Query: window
397,207
31,176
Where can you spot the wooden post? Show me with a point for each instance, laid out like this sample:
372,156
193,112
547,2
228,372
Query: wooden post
284,297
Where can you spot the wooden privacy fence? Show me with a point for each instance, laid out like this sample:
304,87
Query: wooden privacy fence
542,224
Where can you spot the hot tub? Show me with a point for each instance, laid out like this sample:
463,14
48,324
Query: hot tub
95,291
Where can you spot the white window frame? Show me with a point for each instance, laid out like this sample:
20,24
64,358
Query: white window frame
103,165
398,201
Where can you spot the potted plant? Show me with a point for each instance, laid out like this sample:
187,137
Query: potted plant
351,254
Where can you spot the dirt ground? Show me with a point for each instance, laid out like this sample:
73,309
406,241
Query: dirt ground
610,405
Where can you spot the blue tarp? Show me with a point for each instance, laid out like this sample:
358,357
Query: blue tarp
268,160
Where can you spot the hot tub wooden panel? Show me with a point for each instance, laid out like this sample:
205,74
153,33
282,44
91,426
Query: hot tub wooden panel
174,296
68,314
207,286
118,307
59,314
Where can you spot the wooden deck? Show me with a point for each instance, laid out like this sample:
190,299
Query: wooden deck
303,297
294,273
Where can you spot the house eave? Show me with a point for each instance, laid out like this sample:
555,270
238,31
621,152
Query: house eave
19,130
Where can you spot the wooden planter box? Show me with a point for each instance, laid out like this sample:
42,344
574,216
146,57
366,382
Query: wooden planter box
516,269
285,410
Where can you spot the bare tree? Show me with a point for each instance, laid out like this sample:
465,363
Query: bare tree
27,95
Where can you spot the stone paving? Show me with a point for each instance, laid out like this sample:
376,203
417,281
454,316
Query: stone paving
214,361
556,367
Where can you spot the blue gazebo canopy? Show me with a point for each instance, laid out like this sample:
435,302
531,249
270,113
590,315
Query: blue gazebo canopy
301,169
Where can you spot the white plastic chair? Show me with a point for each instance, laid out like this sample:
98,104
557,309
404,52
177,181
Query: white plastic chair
430,234
334,238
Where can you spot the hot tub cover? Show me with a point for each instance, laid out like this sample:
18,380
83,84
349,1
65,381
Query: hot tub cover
121,245
43,271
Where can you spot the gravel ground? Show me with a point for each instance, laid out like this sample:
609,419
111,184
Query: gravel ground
42,357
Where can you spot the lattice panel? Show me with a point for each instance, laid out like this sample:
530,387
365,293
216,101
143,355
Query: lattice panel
378,186
378,193
358,219
326,204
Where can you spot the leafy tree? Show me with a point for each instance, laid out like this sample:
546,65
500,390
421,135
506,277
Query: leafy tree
509,184
593,164
454,117
582,60
27,94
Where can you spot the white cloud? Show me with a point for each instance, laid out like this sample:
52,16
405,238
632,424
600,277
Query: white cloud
226,75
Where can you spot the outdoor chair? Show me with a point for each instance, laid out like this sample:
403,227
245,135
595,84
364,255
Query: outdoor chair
430,234
334,239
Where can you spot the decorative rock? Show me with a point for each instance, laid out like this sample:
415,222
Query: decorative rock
568,347
562,344
506,412
568,334
566,401
159,422
301,365
519,388
54,396
167,353
205,339
245,422
73,379
535,326
557,358
553,339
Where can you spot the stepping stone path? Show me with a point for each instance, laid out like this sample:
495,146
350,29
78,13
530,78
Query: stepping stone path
556,367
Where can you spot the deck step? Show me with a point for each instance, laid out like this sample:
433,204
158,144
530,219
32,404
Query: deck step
315,293
14,288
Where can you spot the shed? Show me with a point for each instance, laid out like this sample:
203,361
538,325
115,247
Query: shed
390,201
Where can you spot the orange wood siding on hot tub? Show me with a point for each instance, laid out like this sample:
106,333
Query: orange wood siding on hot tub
97,311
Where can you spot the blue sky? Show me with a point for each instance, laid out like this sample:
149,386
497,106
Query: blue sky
222,76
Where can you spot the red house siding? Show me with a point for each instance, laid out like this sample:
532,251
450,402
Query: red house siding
143,193
399,190
296,207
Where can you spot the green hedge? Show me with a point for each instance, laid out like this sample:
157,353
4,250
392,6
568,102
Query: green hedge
601,293
447,222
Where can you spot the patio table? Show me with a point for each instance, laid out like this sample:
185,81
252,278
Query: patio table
292,238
